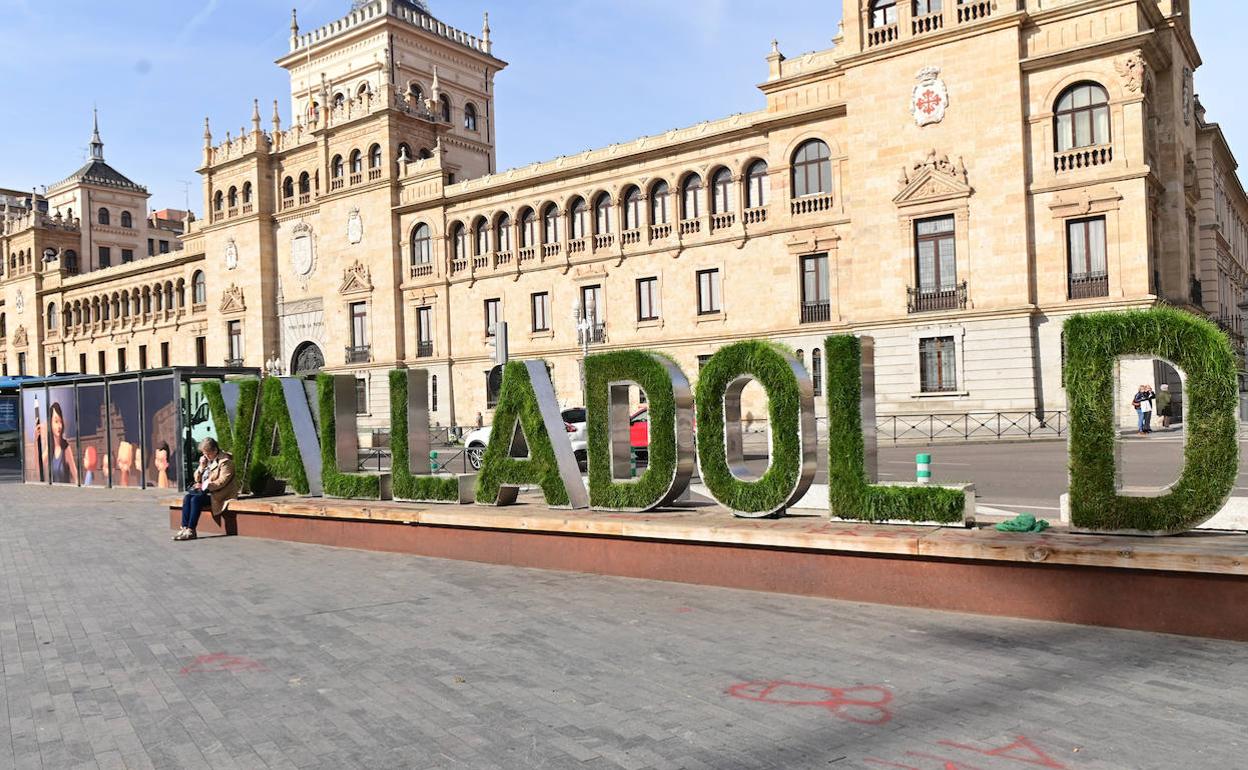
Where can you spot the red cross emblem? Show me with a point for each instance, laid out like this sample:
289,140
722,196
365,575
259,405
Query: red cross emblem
928,102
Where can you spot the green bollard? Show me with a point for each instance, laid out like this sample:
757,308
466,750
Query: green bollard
433,461
923,469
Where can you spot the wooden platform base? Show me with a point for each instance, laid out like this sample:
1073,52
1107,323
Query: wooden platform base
1195,584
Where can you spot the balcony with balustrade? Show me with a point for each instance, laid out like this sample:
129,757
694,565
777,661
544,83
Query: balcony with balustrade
811,204
422,269
816,311
722,221
424,349
359,354
661,231
905,24
1083,157
1088,285
930,299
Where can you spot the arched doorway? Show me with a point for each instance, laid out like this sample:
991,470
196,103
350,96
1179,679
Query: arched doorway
308,359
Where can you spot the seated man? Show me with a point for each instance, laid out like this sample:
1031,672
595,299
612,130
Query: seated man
214,485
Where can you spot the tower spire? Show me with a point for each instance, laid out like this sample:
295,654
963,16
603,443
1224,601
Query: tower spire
97,144
277,119
255,116
294,28
486,45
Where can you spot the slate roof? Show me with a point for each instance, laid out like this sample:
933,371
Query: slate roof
98,172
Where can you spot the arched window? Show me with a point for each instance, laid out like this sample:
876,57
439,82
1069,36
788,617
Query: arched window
721,192
232,197
366,88
446,107
337,168
218,201
459,241
374,156
812,169
883,13
550,224
659,194
425,154
416,92
126,221
357,162
1081,118
632,208
405,151
305,183
339,99
246,192
103,213
756,185
576,216
924,7
502,233
602,214
105,309
199,288
470,117
528,228
691,197
52,316
816,357
480,237
70,260
288,188
422,245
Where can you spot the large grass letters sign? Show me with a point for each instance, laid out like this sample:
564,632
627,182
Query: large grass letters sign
261,423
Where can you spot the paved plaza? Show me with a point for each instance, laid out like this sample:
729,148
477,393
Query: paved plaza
121,649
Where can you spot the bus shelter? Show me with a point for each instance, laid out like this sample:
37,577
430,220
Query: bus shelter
132,429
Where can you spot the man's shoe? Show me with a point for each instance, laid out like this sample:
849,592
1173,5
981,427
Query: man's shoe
180,533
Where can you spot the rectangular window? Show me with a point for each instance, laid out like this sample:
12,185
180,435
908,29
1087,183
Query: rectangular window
151,247
424,332
1085,244
103,362
493,314
164,354
709,300
647,299
21,364
361,395
127,255
201,351
164,247
816,296
935,266
702,360
82,363
106,256
52,365
937,365
143,356
591,297
359,324
121,359
234,332
541,311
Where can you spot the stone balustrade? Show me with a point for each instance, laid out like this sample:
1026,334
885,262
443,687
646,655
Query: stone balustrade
1083,157
811,204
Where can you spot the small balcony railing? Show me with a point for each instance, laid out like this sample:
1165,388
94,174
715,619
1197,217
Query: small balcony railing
925,300
526,254
604,240
1089,285
288,203
248,208
754,216
929,22
424,349
502,258
459,265
690,226
336,183
550,250
422,269
233,363
973,10
816,312
357,177
1083,157
723,221
359,354
305,199
374,174
232,212
480,261
659,232
576,245
630,237
597,334
810,204
881,35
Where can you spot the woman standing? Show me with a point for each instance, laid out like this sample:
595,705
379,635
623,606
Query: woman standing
56,455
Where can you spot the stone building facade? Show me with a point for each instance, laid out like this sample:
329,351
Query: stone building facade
953,178
91,281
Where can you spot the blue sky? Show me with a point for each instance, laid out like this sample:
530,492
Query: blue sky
582,74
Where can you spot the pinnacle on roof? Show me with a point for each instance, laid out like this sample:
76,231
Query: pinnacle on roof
96,171
97,144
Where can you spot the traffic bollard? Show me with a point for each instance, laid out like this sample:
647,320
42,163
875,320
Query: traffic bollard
923,470
433,461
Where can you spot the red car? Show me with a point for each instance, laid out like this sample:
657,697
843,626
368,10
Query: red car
639,433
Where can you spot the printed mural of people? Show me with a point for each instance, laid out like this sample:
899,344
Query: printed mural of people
90,465
57,457
161,462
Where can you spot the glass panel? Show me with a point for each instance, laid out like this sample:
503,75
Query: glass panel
1078,248
948,266
1064,128
1096,244
1083,129
160,438
1101,118
125,461
927,265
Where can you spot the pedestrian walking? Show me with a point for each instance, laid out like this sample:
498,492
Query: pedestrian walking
1165,405
1143,402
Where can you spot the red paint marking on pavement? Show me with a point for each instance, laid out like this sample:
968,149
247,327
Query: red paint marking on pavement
1021,743
218,662
684,609
849,703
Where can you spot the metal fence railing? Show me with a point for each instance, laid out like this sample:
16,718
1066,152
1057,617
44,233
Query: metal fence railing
972,426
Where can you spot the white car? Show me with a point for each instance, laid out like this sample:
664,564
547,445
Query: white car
574,427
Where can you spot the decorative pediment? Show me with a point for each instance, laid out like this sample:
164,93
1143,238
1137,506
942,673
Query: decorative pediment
356,279
822,239
20,338
935,177
1085,202
232,300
